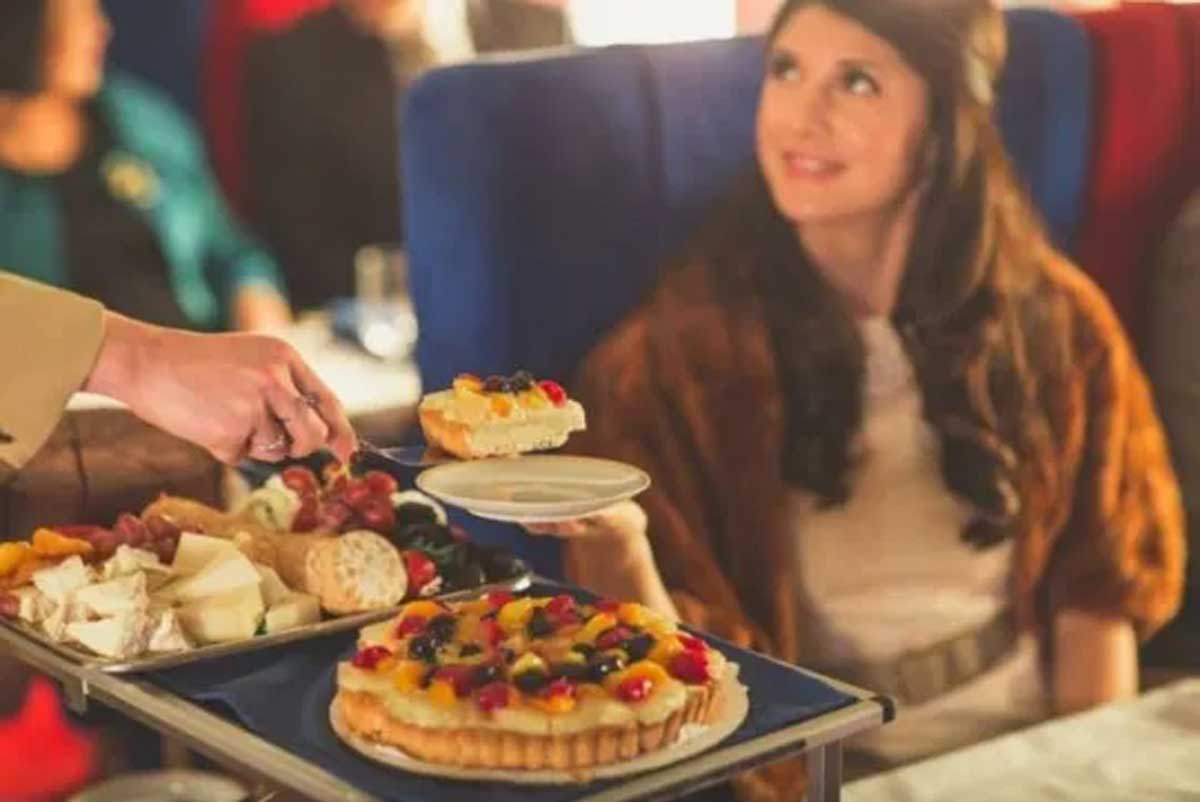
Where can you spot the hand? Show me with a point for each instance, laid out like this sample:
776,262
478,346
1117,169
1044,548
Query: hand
623,523
260,309
235,395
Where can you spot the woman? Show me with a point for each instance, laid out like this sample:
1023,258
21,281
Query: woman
104,187
892,433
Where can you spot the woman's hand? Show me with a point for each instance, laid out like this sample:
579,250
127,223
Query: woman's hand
235,395
1095,660
259,309
610,554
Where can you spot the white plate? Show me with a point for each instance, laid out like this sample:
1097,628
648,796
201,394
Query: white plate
733,705
541,487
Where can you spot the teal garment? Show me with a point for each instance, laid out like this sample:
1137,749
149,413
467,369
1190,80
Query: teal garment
209,256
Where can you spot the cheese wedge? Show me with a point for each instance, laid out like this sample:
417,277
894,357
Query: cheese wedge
125,594
129,560
234,615
197,551
273,589
293,611
168,633
230,571
33,606
59,582
119,636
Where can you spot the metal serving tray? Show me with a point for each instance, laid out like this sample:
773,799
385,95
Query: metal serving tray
154,662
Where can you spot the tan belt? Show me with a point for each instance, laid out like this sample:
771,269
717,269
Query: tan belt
924,674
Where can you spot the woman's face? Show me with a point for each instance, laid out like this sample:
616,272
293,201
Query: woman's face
77,34
841,121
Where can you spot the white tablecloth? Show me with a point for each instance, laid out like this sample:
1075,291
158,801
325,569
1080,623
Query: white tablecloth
1143,750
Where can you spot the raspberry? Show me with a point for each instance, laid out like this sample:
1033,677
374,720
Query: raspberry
690,667
411,625
692,644
561,604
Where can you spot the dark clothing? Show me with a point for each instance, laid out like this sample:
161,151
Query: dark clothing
112,254
325,124
323,140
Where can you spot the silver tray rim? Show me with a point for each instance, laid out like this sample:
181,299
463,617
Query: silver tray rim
329,626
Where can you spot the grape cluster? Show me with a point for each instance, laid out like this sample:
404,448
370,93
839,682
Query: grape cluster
154,534
344,503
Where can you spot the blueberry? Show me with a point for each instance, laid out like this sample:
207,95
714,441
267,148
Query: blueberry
638,646
493,384
441,628
486,674
469,649
540,624
531,681
574,671
521,380
423,648
602,665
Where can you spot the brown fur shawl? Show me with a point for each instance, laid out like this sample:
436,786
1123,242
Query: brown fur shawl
686,389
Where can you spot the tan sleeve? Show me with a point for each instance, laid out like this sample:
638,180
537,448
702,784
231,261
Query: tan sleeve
49,340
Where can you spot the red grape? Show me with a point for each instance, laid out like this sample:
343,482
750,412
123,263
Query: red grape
357,492
300,480
381,484
131,529
105,543
162,528
335,515
377,514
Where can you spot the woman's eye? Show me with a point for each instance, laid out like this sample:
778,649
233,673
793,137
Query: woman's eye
859,82
781,67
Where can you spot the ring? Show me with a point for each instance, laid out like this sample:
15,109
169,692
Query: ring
310,400
279,442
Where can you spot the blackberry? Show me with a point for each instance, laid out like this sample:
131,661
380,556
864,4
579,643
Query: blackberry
602,665
441,628
638,646
575,671
469,649
423,648
486,674
586,649
493,384
531,681
540,624
521,380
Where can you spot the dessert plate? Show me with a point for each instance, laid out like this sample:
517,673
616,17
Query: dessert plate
533,489
732,707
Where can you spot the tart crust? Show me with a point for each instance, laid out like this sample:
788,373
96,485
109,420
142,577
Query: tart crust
367,717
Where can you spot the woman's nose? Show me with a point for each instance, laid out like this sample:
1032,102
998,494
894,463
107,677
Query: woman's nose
810,109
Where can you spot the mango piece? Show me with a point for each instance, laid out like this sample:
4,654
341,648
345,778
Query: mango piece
12,555
48,543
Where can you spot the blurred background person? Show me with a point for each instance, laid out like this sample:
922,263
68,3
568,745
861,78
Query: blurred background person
324,124
105,188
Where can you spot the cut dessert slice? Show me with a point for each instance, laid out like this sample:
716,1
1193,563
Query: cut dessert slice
499,417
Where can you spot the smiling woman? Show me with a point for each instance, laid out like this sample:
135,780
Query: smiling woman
892,432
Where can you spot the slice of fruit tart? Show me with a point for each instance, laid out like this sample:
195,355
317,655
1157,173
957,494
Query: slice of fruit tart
499,416
528,683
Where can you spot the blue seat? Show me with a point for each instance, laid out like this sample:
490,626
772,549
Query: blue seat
161,43
544,192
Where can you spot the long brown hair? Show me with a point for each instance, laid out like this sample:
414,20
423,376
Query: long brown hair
968,307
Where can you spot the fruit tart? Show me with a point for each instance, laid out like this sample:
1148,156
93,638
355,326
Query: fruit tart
499,416
527,683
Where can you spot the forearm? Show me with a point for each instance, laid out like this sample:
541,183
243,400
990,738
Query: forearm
621,568
1095,660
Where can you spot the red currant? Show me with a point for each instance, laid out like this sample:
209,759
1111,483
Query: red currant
635,689
370,657
554,391
494,696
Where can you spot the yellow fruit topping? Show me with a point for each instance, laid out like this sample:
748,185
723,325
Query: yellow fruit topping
533,399
634,615
502,404
514,616
441,693
590,690
555,705
423,609
467,383
665,649
407,676
598,624
12,555
48,543
526,662
643,669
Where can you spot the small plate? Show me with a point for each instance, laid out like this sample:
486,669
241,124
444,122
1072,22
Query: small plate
536,488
